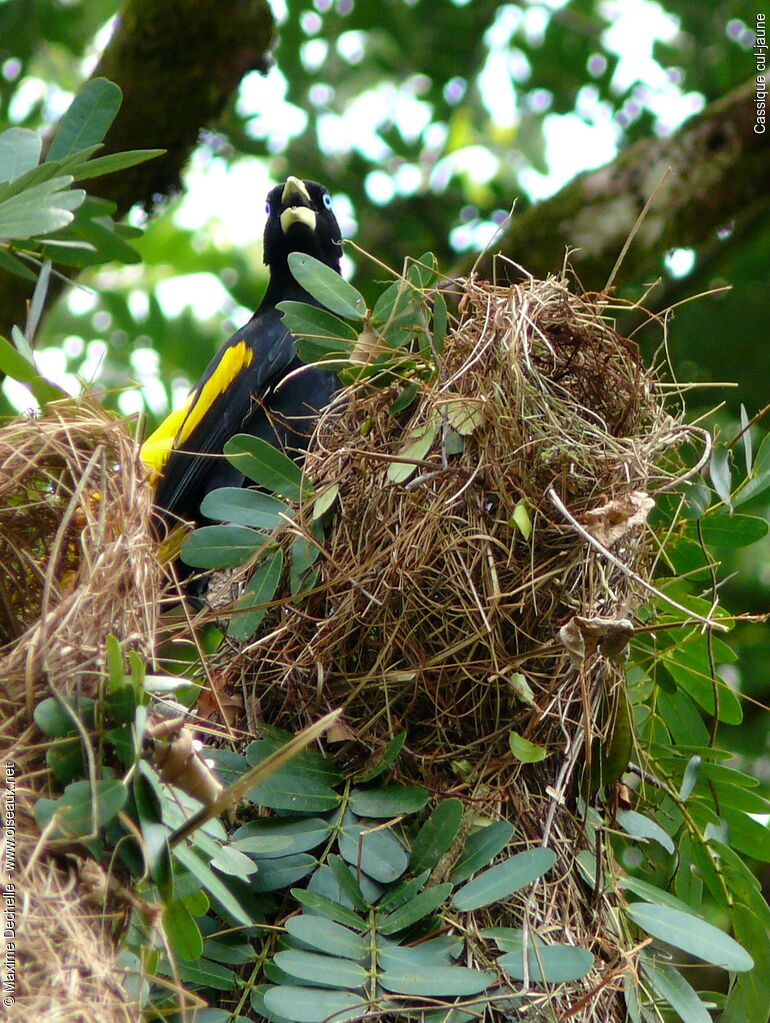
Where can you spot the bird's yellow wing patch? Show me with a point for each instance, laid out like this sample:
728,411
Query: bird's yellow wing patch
177,427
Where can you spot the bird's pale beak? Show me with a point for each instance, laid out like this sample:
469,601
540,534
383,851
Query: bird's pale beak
298,204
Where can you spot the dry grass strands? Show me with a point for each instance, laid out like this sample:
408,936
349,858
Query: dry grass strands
76,563
434,610
76,558
65,970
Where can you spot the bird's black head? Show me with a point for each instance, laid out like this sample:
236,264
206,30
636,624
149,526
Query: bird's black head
300,219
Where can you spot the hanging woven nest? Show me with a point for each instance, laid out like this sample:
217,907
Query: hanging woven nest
485,585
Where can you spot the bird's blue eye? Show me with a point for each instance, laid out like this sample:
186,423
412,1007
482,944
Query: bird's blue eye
327,201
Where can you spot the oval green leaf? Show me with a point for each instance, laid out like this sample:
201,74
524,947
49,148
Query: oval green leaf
427,902
253,604
524,750
268,467
437,982
326,936
328,971
691,934
327,286
671,986
278,836
550,964
221,546
504,879
378,852
314,1005
86,121
436,835
481,848
388,800
245,507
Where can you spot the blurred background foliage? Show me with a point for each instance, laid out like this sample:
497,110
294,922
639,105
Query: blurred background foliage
427,121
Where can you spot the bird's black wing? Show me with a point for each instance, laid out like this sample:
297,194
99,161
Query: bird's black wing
231,389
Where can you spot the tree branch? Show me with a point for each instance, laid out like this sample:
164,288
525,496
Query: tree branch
714,170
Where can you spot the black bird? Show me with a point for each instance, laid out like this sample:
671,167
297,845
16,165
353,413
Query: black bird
244,388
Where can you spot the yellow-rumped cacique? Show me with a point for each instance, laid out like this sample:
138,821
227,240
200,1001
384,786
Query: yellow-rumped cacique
256,383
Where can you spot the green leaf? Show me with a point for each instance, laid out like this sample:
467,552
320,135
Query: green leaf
378,853
416,449
314,1005
438,981
327,286
253,604
328,937
427,902
224,546
229,860
319,969
465,416
267,466
504,879
245,507
669,984
733,531
269,837
86,121
291,787
439,951
689,778
524,750
748,454
194,861
760,475
405,399
113,162
703,941
304,554
522,519
328,908
389,757
312,765
278,874
347,884
436,836
53,720
399,894
320,334
719,470
19,152
182,932
552,964
650,893
324,501
683,719
39,210
639,826
481,848
80,808
388,800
